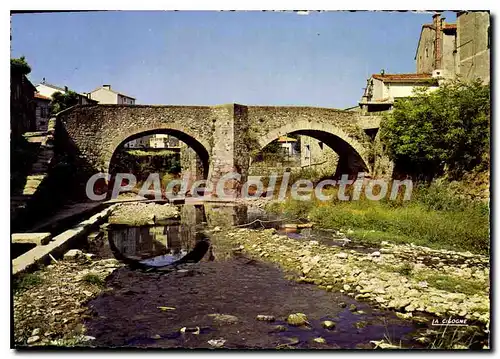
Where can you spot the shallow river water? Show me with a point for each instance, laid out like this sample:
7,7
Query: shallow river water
141,308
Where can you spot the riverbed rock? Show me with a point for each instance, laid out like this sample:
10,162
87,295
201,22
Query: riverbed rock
190,330
328,324
279,328
217,343
33,339
73,254
265,318
342,255
319,340
224,318
375,254
297,319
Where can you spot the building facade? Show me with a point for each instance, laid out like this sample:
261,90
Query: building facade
436,48
456,49
382,90
474,44
42,112
316,155
141,142
164,141
22,104
47,90
106,95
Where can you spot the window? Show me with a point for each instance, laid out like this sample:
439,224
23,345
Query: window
426,52
308,152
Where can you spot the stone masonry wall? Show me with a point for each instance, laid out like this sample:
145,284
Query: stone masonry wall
224,137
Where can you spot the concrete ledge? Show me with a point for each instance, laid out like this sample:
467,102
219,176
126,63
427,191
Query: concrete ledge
37,238
59,244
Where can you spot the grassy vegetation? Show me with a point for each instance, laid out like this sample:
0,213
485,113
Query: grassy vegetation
453,284
92,278
26,281
444,282
434,217
140,153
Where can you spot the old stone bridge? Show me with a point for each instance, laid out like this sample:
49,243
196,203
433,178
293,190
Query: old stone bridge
225,137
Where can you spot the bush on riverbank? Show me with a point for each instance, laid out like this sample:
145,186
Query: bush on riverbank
434,217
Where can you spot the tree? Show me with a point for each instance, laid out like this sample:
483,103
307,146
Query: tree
61,101
20,66
444,130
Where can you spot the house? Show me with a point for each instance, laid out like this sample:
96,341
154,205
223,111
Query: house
287,144
141,142
444,51
163,141
106,95
42,111
47,90
456,49
22,104
382,90
437,48
317,155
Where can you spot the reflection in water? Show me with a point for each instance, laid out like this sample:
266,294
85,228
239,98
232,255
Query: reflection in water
162,245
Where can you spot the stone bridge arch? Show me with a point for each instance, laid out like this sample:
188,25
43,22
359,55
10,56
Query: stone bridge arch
93,133
335,128
200,147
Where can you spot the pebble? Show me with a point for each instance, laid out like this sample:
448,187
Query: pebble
328,324
72,254
33,339
217,343
224,318
266,318
375,254
279,328
297,319
319,340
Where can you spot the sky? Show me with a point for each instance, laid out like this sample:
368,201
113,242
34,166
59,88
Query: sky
209,58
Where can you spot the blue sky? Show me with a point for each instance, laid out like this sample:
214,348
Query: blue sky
207,58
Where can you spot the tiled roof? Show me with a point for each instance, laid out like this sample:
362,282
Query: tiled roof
403,77
286,139
42,97
53,86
